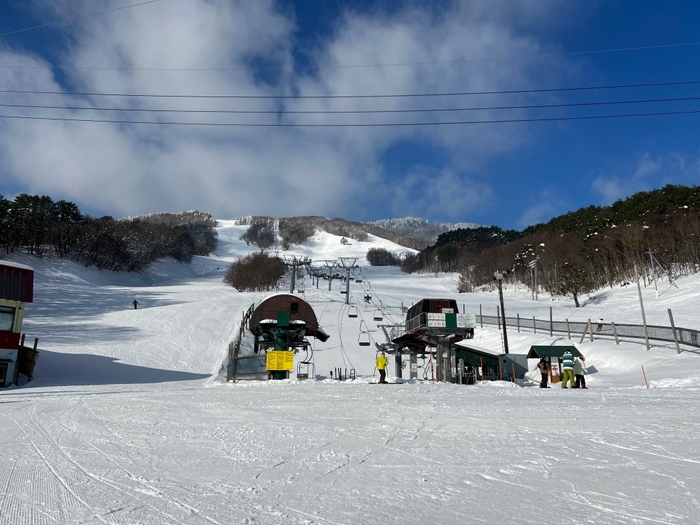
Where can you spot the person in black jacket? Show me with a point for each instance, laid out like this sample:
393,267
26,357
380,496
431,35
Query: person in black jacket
543,365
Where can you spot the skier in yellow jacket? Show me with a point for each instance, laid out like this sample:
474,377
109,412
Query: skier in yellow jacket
382,363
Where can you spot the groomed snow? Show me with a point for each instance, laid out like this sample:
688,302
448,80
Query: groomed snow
129,419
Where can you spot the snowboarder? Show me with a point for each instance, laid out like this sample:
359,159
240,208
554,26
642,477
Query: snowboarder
136,304
382,363
568,366
544,371
579,371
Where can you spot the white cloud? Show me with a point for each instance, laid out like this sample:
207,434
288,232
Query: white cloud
545,206
125,169
428,192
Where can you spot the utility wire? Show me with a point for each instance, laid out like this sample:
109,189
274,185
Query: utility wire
355,112
350,66
66,20
397,95
369,125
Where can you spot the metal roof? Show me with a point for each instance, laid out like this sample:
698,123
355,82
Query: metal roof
552,351
16,282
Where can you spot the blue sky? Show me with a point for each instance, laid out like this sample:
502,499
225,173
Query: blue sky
508,174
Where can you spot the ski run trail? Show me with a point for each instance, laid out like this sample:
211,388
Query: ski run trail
129,419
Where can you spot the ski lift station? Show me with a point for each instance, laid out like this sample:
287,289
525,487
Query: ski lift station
434,323
280,326
16,289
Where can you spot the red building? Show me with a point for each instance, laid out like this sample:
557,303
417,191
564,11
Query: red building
16,289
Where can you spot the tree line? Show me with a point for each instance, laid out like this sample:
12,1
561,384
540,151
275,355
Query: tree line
652,233
39,226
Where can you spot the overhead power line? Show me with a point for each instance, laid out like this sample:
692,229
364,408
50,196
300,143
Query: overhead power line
354,112
357,125
346,66
396,95
67,20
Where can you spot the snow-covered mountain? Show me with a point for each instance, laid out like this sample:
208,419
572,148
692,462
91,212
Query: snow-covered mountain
420,229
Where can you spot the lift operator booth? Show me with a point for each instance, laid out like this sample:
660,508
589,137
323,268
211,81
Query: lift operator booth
16,289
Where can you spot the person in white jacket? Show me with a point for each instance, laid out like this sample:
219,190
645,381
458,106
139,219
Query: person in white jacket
579,372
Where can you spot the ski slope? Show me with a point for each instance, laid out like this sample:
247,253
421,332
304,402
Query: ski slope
129,419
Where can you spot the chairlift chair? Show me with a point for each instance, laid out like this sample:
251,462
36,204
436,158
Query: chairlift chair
305,370
378,316
352,311
363,338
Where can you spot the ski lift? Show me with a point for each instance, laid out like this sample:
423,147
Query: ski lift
305,369
363,338
352,311
378,316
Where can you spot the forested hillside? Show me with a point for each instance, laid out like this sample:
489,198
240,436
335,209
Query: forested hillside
44,228
657,231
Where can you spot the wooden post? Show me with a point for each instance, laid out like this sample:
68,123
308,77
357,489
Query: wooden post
617,341
568,332
481,366
641,305
498,314
517,316
534,324
673,328
481,317
551,323
512,365
583,335
36,342
590,329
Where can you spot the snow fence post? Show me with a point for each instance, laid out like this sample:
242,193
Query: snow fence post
673,328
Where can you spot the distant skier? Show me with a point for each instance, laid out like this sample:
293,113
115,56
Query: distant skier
568,365
544,371
579,371
382,363
136,304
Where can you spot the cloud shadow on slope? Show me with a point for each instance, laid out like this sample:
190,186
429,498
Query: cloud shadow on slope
57,369
79,334
84,303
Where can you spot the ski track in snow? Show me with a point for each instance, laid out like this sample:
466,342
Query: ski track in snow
129,421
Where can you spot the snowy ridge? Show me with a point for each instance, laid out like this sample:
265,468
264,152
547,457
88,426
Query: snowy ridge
420,229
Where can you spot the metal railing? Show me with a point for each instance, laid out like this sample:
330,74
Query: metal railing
685,336
235,367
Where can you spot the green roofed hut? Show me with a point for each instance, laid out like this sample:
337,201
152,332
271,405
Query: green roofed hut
553,355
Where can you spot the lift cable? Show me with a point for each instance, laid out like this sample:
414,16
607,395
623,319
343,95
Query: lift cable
68,20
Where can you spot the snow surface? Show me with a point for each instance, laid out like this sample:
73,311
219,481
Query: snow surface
129,419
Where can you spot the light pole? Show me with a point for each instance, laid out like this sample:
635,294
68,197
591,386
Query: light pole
498,276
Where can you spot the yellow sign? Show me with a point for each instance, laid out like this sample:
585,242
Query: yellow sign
280,360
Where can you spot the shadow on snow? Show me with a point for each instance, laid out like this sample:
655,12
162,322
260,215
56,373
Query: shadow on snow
57,369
